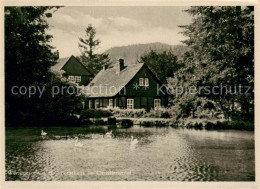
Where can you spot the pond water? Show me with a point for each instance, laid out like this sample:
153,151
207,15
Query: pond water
161,154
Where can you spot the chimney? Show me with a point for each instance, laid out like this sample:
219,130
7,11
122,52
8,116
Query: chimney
105,67
57,54
120,65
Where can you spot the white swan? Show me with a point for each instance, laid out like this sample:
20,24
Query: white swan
77,143
43,133
133,141
109,133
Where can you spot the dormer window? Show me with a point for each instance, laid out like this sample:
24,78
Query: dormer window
141,81
146,83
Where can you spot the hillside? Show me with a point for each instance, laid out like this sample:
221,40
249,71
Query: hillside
132,53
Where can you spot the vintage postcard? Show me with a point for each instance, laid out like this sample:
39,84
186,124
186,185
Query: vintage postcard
129,94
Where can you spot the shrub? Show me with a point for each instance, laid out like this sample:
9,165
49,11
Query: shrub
153,123
239,125
189,126
198,126
128,113
92,113
86,122
209,125
111,127
99,122
159,124
70,121
111,121
126,123
165,115
221,125
242,125
249,126
174,125
161,113
147,123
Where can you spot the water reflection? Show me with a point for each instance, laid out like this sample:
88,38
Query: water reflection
159,154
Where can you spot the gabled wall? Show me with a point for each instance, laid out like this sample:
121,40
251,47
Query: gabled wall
141,90
75,68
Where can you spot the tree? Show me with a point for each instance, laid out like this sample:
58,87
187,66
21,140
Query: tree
222,52
28,58
88,46
164,65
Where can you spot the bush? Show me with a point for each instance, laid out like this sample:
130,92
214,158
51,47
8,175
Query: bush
99,122
128,113
239,125
189,126
147,123
111,127
111,121
165,115
249,126
209,126
242,125
174,125
159,124
126,123
86,122
161,113
92,113
153,123
198,126
70,121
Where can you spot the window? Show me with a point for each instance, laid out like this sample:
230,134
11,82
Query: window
90,104
71,78
141,81
146,82
110,103
78,79
157,103
83,105
130,103
97,103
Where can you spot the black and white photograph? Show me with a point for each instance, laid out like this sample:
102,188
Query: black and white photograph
129,93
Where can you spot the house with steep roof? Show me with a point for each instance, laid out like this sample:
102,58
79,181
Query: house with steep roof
73,70
131,87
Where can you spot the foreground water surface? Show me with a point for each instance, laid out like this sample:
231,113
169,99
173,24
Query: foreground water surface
160,154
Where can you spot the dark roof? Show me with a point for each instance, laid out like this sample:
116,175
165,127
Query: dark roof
62,61
88,68
109,79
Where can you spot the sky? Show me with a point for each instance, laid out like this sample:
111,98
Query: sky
116,26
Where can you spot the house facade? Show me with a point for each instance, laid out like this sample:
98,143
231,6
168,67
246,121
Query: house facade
130,87
73,70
